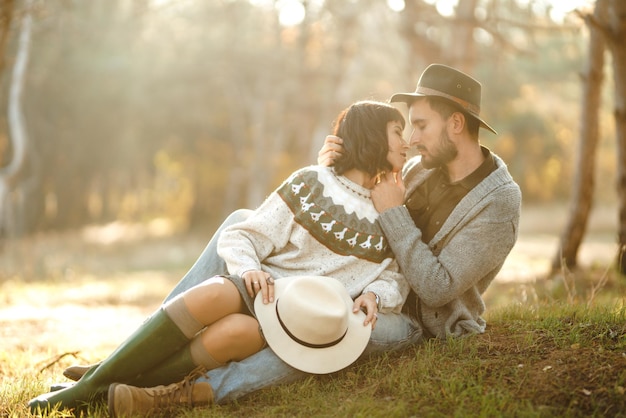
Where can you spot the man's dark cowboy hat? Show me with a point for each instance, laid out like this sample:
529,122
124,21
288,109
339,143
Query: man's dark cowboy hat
449,83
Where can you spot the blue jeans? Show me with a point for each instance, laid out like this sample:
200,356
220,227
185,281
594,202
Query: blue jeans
263,369
209,264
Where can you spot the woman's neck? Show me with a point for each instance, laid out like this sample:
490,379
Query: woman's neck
361,178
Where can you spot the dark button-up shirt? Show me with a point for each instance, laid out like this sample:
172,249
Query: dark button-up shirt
433,201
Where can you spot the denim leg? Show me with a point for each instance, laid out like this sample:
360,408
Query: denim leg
393,332
264,369
258,371
209,264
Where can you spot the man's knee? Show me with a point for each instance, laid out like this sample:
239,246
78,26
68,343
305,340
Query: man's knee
394,331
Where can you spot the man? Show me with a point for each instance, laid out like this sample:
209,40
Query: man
461,214
451,220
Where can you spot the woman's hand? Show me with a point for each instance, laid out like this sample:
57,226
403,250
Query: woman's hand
367,303
332,148
259,281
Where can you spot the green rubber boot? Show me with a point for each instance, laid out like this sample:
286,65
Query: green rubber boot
153,342
77,371
178,366
172,370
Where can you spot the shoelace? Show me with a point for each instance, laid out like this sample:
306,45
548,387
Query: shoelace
175,394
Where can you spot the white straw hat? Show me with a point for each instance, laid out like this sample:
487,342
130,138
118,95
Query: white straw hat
311,326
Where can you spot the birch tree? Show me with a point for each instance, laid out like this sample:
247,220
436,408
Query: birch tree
16,183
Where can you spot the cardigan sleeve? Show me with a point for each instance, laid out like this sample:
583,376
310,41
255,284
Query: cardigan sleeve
243,246
446,269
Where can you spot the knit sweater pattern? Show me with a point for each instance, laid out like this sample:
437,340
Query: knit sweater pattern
318,223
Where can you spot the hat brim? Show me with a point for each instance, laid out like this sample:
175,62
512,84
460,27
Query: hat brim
312,360
409,98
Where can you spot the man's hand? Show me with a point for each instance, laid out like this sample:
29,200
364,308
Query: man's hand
389,193
331,149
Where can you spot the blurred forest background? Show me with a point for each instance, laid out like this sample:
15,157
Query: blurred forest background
184,110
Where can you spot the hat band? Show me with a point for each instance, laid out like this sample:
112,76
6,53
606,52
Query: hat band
470,107
302,342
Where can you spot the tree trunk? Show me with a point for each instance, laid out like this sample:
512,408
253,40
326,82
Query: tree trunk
617,34
584,178
463,52
13,186
422,50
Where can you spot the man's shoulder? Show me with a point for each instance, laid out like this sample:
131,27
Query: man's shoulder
502,174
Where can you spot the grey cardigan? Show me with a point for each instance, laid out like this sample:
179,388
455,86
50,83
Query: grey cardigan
451,272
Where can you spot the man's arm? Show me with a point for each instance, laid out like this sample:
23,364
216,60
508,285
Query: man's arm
331,149
472,250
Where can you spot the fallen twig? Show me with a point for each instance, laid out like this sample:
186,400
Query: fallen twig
59,357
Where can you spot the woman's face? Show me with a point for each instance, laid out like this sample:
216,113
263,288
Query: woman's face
397,146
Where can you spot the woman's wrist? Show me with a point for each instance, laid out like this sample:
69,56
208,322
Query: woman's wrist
376,297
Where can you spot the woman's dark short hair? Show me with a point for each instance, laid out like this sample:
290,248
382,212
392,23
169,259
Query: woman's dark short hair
363,128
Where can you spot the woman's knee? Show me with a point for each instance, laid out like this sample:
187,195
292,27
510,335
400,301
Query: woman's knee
213,299
238,334
238,326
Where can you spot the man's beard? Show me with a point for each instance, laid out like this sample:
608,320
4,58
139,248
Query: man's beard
444,152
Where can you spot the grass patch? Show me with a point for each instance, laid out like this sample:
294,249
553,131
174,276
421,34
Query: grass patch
552,360
553,348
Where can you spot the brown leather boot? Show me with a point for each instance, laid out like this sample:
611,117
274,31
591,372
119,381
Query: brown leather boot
129,401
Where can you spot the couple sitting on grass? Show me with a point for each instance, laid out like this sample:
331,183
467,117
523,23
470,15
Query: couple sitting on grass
308,282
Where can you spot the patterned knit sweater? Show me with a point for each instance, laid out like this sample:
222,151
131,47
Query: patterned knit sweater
450,273
318,223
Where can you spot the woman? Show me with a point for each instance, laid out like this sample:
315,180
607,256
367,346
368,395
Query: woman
320,222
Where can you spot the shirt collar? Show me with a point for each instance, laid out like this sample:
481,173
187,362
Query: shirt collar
475,177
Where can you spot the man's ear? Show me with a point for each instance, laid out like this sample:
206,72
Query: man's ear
457,122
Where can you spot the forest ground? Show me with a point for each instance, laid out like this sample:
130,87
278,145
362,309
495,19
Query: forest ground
103,281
